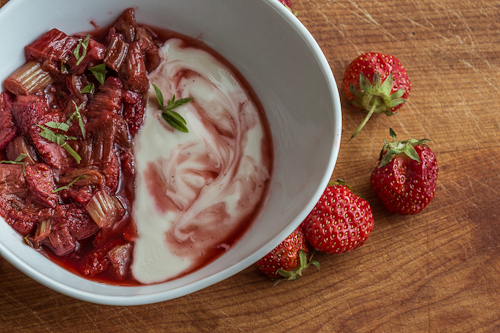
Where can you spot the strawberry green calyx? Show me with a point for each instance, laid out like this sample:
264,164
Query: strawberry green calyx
375,98
394,148
296,273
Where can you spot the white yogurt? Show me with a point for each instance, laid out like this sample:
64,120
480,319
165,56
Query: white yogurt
194,190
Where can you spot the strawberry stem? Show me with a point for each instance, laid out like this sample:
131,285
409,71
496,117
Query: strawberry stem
370,113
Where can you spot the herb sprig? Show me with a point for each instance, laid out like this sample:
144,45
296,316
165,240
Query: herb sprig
83,44
173,118
69,185
78,117
99,72
89,88
18,160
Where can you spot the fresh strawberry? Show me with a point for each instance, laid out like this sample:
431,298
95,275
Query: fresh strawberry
405,180
340,222
376,83
288,5
288,259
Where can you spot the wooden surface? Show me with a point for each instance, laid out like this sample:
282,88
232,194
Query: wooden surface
438,271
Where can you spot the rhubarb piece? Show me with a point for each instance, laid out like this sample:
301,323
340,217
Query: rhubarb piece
61,241
107,99
126,25
91,176
28,79
104,209
12,180
120,258
8,129
116,53
20,146
133,70
111,171
149,49
40,183
54,45
28,111
94,56
41,234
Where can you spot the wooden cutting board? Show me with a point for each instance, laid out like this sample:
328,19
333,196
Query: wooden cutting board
438,271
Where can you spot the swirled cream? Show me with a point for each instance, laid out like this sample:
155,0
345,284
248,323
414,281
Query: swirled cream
196,191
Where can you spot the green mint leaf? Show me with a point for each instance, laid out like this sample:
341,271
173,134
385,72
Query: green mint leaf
69,185
78,117
60,126
173,103
60,140
84,45
159,95
21,157
72,152
99,72
50,135
18,161
89,88
175,120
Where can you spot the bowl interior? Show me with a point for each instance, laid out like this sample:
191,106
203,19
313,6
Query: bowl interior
287,70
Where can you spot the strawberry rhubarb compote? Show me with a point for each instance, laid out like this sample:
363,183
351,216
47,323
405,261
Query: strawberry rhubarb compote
100,174
196,190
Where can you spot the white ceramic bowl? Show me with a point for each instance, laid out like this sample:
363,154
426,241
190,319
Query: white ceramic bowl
287,70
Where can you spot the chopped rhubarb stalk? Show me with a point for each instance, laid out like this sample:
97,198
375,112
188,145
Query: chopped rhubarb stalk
8,129
28,79
126,25
104,209
116,53
12,180
107,100
120,258
133,70
20,146
41,234
61,241
40,183
148,48
91,176
54,45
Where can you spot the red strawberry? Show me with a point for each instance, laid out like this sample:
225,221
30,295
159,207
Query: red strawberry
376,83
340,222
405,180
288,5
288,259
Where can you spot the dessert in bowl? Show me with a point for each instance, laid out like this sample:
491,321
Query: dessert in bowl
277,61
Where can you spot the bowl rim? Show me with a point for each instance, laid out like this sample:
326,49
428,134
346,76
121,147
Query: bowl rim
197,285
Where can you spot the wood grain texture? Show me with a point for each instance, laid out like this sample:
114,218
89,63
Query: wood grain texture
438,271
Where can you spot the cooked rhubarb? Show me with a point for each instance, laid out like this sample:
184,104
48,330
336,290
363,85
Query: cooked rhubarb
20,146
8,129
28,79
79,158
104,209
41,234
